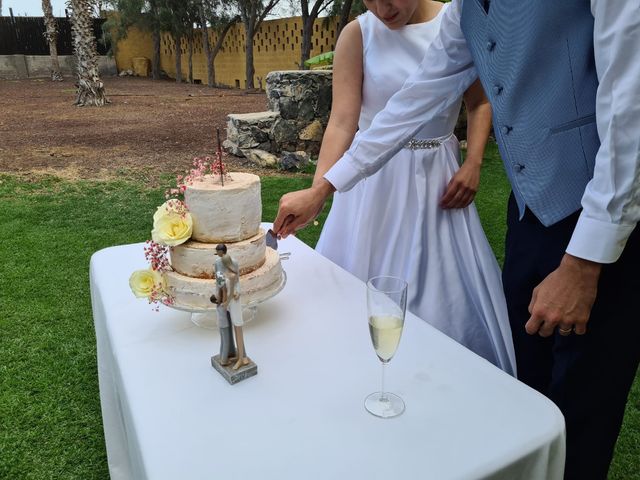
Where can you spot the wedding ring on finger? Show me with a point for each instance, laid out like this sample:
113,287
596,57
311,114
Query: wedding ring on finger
565,331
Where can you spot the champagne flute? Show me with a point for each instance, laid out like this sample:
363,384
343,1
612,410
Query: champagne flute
386,306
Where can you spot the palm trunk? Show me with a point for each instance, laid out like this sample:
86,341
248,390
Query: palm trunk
51,34
90,87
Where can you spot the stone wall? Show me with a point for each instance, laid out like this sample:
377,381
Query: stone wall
292,130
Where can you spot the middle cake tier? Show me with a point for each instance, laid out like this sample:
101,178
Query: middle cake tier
196,259
256,286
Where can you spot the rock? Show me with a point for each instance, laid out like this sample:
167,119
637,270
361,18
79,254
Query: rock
260,157
313,132
232,148
285,132
249,131
293,161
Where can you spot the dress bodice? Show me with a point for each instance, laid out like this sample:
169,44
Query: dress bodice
389,57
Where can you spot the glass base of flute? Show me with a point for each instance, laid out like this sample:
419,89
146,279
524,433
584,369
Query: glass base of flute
384,404
386,305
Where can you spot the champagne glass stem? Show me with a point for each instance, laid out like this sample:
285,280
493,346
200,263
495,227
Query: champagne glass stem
383,397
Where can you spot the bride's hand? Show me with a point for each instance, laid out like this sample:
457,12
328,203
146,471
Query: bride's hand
297,209
463,186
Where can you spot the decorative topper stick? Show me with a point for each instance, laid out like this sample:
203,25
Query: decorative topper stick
220,157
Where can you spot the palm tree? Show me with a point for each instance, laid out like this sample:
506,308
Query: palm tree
90,87
51,34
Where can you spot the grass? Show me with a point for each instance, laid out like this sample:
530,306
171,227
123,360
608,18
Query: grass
50,421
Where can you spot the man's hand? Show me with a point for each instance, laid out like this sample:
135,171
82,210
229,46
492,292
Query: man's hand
297,209
564,299
463,186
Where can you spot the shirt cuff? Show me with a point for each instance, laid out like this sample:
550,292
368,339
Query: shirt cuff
344,174
598,241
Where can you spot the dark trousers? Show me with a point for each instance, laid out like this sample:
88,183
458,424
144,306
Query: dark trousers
587,376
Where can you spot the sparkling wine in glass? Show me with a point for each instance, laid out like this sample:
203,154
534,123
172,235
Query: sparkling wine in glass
386,306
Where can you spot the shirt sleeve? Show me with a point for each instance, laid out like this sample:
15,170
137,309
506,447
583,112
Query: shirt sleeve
611,202
444,74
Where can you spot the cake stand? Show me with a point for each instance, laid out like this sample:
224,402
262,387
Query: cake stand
208,317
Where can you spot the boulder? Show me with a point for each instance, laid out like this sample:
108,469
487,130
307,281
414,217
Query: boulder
249,131
260,157
293,161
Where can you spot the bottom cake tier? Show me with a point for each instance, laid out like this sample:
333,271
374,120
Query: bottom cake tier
195,293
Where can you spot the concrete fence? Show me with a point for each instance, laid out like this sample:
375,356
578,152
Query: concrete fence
32,66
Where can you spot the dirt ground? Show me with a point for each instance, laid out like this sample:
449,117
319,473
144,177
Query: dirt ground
150,127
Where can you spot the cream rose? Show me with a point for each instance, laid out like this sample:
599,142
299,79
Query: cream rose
145,283
172,224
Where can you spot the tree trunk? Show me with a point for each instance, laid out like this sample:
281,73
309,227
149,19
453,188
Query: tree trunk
218,45
155,61
90,87
211,74
249,70
344,16
155,36
305,48
179,59
190,40
51,35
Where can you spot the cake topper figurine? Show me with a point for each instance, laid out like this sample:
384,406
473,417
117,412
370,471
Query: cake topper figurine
227,297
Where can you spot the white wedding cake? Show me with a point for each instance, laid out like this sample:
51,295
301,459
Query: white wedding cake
215,210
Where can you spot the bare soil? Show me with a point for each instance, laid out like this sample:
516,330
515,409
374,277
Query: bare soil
150,127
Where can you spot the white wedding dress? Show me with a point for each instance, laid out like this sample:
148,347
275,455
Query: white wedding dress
392,224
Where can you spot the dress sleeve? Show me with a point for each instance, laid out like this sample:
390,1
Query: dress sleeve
611,202
444,74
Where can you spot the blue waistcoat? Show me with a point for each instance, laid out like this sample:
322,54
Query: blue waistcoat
536,62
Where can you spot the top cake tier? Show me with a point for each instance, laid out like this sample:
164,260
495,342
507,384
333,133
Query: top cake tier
228,213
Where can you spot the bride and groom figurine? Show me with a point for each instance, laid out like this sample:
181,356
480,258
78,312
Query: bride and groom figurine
232,361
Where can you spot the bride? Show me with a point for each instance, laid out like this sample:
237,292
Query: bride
414,218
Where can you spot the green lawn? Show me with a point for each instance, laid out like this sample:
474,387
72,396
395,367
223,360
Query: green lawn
50,424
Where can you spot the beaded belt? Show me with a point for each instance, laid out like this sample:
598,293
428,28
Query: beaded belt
415,144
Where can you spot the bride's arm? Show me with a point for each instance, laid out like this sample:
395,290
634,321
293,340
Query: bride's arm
346,99
306,204
463,185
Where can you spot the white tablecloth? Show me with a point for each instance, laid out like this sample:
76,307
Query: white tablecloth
169,415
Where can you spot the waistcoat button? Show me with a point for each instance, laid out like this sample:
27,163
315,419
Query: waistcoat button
506,129
518,168
497,89
491,45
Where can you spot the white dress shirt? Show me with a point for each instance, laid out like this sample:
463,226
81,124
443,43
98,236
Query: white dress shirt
611,202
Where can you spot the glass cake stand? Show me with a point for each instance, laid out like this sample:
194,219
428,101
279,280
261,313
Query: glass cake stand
208,317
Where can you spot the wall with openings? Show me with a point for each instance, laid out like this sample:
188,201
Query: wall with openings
276,46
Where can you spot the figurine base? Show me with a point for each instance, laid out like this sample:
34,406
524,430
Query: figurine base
234,376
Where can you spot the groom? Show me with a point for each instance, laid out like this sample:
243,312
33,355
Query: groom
563,79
